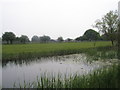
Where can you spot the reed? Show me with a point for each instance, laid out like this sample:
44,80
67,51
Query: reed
103,78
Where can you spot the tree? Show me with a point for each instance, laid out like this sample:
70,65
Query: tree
60,39
118,36
104,37
35,38
108,25
81,38
91,35
68,40
17,40
24,39
8,37
45,38
77,39
118,40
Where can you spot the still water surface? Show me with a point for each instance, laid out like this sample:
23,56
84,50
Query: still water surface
17,72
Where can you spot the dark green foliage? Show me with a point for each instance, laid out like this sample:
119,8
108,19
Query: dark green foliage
8,37
44,38
108,25
104,37
60,39
89,35
68,40
24,39
118,40
35,39
81,38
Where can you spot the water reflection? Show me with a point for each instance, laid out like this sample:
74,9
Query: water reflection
18,71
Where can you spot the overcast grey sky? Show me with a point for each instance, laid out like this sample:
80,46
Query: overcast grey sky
66,18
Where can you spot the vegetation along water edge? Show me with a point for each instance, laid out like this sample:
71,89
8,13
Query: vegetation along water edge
30,51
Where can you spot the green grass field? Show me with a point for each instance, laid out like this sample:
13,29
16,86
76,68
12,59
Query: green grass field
27,51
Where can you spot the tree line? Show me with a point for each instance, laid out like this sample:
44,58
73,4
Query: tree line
107,25
89,35
10,38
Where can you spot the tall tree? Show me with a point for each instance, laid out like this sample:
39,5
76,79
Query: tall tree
45,38
118,37
60,39
9,37
24,39
108,25
35,38
68,40
91,35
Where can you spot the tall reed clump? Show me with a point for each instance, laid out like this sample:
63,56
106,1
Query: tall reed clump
102,78
100,53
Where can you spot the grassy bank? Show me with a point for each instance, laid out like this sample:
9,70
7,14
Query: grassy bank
103,78
28,51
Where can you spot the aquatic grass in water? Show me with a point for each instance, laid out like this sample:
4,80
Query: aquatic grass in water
102,78
28,70
101,53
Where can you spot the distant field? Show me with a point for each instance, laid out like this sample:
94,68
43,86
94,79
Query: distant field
26,51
